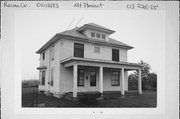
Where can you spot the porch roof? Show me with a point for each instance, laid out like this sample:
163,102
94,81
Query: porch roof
98,62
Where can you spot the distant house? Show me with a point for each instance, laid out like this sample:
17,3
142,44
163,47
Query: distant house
85,59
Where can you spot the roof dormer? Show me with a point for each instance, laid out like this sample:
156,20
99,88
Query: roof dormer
95,31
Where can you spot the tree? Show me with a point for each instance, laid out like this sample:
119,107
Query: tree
153,80
148,79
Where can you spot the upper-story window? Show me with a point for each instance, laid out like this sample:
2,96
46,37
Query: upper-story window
115,55
52,77
52,52
43,55
78,50
96,49
93,34
98,35
103,36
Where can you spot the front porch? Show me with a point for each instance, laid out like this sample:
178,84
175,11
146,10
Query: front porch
101,72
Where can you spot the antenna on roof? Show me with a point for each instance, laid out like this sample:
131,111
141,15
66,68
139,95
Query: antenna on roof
70,23
79,21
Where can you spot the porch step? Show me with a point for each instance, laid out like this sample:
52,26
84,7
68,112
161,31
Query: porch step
131,93
68,96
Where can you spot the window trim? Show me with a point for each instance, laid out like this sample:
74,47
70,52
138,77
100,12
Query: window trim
43,56
52,77
98,34
97,51
114,57
43,80
95,79
104,36
115,80
92,35
79,78
75,50
52,50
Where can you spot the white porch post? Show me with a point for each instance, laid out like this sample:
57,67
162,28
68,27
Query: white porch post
75,80
122,81
101,79
139,82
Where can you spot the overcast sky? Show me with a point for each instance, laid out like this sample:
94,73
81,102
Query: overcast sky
144,30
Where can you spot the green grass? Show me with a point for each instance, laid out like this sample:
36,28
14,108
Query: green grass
147,99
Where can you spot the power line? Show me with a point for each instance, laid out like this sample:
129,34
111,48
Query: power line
79,21
70,23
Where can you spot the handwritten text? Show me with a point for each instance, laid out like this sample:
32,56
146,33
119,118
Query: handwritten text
87,5
142,6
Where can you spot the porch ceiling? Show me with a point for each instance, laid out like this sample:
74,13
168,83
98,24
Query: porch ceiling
97,63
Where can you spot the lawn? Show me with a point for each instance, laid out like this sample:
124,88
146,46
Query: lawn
147,99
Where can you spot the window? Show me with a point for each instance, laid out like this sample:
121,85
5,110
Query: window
103,36
92,34
97,35
78,50
96,49
52,52
115,78
43,55
43,78
52,77
115,55
80,77
93,78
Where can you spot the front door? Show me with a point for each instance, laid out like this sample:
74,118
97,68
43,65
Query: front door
92,78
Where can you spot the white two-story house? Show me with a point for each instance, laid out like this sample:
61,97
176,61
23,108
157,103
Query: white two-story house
85,59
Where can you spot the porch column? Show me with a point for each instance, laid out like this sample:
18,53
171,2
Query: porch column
139,82
122,81
75,80
101,79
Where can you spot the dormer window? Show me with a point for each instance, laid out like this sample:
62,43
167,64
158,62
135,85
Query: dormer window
98,35
92,34
103,36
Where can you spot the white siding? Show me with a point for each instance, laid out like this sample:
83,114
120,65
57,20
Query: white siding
67,50
51,64
63,77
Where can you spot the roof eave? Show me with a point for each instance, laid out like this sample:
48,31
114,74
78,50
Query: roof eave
89,26
48,43
104,43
